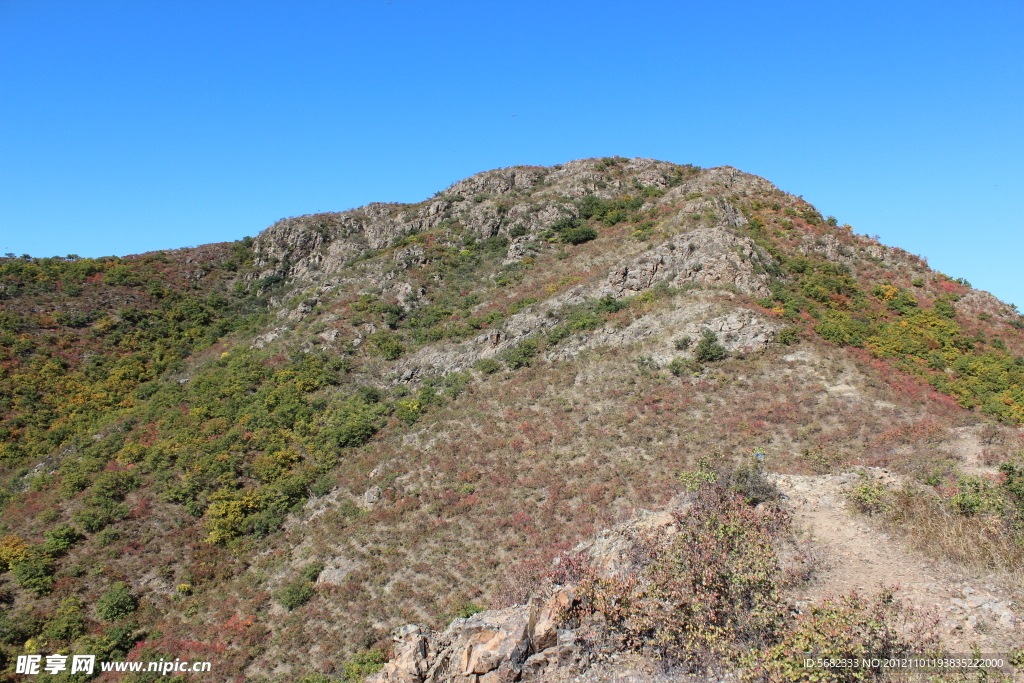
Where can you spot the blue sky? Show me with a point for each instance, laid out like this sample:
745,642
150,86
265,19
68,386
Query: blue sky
136,125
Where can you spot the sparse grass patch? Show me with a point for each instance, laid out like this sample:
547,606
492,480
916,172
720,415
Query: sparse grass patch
870,497
963,529
708,599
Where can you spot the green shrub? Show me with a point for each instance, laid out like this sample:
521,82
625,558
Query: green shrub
73,482
694,480
850,627
108,537
976,495
61,538
17,627
683,366
388,346
903,303
944,307
708,349
121,275
609,304
67,622
488,366
35,572
117,603
468,610
840,328
566,223
94,518
361,665
311,572
870,497
316,678
578,235
520,356
295,594
1013,482
788,336
683,343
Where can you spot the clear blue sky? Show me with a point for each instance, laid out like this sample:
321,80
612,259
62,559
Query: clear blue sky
135,125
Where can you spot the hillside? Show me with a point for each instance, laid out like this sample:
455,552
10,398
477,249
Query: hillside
269,454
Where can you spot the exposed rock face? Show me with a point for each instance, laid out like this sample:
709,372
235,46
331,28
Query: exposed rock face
710,256
311,248
497,646
706,247
522,643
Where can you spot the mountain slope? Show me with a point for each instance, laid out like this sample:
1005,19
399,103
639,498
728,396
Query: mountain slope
417,406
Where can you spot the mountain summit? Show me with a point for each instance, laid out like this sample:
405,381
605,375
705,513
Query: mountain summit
270,454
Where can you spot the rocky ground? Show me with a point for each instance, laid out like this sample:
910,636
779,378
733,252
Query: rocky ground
971,610
846,552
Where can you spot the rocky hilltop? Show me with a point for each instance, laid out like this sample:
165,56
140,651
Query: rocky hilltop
273,453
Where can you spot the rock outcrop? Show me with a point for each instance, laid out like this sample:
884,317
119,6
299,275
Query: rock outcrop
496,646
525,642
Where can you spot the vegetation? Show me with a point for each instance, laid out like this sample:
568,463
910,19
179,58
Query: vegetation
710,599
117,603
181,431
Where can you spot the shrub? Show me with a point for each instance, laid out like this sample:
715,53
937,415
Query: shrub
520,356
566,223
903,303
67,623
120,275
976,495
578,235
711,589
840,328
408,410
316,678
870,497
108,537
17,627
311,572
944,307
609,304
468,610
749,481
850,627
295,594
117,603
35,573
388,346
708,349
488,366
361,665
683,343
61,538
95,518
1013,483
683,366
13,549
788,336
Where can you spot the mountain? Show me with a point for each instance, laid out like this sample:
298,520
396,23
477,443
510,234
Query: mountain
269,454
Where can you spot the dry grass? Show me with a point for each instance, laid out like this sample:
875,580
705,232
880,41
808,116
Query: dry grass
984,543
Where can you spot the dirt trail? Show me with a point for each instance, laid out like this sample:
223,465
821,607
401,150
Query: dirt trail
972,611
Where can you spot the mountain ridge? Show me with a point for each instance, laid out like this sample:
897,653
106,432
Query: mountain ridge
398,412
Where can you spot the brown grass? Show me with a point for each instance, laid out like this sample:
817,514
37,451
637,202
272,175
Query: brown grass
984,543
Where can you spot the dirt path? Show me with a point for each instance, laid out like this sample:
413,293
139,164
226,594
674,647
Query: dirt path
972,611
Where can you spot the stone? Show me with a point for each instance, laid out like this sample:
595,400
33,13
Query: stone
372,496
